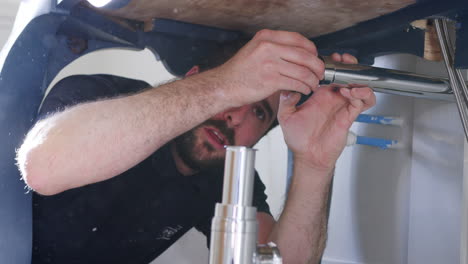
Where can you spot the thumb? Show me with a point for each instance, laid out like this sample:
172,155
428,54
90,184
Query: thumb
287,105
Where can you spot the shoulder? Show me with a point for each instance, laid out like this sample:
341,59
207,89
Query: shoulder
98,84
77,89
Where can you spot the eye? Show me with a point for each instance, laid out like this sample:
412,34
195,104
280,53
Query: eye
259,112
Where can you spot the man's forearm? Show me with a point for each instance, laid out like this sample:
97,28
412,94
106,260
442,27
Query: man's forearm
301,231
95,141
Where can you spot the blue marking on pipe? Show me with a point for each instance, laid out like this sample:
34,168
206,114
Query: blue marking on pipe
375,119
377,142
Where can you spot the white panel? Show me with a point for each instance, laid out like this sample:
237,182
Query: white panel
436,186
464,217
3,37
401,206
271,164
8,9
368,220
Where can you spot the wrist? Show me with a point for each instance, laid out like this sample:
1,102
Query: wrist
308,178
212,87
322,166
226,90
306,174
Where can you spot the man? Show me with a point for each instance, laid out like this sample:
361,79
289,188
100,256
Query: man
91,142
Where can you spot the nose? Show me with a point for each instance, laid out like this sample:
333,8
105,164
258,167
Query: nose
235,116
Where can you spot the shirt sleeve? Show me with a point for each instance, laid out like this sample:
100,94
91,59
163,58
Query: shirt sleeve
77,89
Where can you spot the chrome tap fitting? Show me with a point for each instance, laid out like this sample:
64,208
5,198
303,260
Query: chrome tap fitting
387,80
234,226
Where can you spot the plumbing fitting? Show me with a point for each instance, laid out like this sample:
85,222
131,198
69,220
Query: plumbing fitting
234,225
387,80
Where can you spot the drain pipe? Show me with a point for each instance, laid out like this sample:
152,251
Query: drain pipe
234,226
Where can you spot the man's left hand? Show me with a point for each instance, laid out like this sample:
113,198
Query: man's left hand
316,131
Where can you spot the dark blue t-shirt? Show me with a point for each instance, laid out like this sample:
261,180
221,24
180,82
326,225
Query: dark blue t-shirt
133,217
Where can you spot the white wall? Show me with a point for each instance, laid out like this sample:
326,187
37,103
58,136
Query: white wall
369,212
437,180
8,9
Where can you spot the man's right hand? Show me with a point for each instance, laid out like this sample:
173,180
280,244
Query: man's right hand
270,62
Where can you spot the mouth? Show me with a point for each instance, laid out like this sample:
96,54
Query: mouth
216,138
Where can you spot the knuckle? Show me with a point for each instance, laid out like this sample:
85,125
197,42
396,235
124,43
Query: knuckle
303,55
322,64
304,74
264,33
320,69
314,82
312,44
264,46
264,51
297,37
299,86
268,70
269,66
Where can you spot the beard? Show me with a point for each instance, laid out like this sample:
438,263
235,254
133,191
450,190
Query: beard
201,155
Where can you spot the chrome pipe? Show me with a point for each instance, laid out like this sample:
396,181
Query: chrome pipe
234,225
238,176
461,93
457,82
388,81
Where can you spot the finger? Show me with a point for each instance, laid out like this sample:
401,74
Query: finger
287,105
293,85
302,57
287,38
299,73
360,99
336,57
349,59
366,95
328,97
356,103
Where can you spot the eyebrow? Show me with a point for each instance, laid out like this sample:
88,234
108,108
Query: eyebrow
267,107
